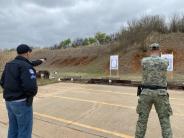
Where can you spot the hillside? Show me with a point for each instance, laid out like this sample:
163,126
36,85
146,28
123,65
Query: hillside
6,56
94,60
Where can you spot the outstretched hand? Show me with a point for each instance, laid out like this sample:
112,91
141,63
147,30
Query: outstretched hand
43,60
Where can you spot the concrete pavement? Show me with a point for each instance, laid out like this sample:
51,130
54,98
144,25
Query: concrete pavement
68,110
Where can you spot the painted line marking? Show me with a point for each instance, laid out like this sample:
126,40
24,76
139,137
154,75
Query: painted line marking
177,114
108,104
123,93
102,91
176,99
68,122
92,101
4,123
112,92
106,91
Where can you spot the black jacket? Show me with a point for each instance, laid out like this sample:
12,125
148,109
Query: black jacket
19,79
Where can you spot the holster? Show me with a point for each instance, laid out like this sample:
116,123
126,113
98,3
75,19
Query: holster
139,90
29,101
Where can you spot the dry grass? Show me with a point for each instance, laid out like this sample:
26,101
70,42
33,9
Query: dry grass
5,57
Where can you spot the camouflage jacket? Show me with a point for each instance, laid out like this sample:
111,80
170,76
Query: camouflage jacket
154,71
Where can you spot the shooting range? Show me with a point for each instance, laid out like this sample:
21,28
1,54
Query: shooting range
78,72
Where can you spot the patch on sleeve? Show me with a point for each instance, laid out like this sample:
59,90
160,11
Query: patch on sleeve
33,77
31,71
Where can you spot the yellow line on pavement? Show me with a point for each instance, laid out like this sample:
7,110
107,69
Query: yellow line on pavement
177,114
107,91
92,101
172,98
4,123
83,125
87,90
108,104
123,93
114,92
177,104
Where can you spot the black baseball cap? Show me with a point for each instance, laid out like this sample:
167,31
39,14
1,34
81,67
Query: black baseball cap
23,48
154,46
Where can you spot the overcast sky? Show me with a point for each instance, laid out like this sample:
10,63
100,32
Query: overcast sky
47,22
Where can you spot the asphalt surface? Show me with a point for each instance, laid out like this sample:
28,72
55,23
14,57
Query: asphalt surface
68,110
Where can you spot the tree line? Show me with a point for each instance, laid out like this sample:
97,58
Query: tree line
99,39
136,31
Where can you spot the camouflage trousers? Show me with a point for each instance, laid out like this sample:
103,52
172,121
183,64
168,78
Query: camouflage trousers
163,109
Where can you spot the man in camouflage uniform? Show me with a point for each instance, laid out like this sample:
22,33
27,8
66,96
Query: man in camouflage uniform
154,91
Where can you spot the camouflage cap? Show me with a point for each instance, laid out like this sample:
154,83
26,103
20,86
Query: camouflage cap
154,46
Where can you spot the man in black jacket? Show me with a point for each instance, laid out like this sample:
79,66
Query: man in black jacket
19,87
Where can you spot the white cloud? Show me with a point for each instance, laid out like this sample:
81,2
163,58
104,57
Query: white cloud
46,22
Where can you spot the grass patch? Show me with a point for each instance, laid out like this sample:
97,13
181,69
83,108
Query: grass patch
135,77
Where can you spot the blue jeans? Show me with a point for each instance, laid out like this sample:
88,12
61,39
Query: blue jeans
20,119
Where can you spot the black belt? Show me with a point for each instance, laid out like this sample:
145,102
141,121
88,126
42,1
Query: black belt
152,87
